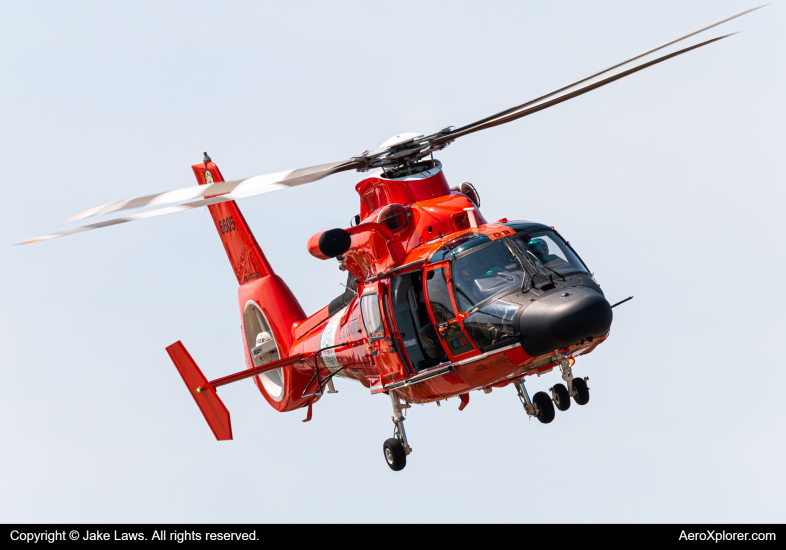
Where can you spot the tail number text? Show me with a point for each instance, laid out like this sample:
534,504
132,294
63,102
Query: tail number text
226,225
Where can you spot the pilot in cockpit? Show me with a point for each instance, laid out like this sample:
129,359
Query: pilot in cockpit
552,260
540,249
463,284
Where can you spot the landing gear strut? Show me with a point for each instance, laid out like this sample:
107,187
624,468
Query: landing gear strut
577,387
397,448
540,406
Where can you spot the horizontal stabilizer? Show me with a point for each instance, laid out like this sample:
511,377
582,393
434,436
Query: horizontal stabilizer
205,396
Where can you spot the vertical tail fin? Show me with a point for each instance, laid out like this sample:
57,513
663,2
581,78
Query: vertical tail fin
245,255
266,302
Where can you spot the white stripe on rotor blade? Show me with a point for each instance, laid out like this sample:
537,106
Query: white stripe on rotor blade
258,187
178,195
299,176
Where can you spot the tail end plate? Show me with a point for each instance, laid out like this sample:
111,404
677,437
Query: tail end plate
205,396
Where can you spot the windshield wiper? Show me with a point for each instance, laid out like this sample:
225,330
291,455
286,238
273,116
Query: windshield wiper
538,262
557,273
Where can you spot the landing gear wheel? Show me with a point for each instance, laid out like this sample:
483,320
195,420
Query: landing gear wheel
582,391
395,455
561,397
543,401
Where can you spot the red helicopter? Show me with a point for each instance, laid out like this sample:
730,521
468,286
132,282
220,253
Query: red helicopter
439,301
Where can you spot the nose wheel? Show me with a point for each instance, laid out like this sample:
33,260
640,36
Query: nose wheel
581,391
561,397
540,406
546,408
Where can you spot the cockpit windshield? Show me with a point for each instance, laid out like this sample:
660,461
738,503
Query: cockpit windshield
549,254
485,273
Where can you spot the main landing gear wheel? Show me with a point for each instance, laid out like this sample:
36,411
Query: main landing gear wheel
397,448
544,403
561,397
395,455
582,391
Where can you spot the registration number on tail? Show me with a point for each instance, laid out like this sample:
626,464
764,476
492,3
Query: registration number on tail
226,225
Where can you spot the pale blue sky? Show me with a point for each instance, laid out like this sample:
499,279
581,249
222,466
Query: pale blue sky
668,183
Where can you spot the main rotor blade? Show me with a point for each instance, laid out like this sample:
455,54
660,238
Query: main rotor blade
604,71
583,90
238,193
290,178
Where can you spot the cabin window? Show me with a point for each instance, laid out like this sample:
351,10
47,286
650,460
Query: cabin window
372,318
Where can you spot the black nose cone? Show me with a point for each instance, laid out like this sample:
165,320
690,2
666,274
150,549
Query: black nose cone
562,319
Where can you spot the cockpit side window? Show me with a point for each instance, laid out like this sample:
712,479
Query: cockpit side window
485,273
439,296
372,318
549,254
